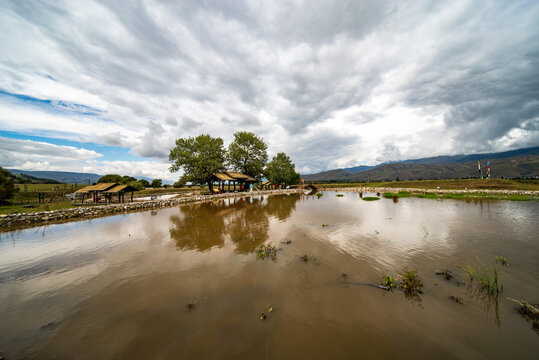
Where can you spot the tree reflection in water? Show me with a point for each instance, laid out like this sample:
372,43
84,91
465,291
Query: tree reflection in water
245,220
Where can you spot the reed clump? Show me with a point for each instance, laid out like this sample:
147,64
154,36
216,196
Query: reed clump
487,277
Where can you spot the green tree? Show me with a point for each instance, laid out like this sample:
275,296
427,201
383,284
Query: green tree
110,178
136,184
198,157
180,183
144,183
156,183
248,154
280,170
7,186
127,179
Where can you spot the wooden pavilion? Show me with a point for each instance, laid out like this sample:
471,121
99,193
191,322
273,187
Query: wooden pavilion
94,191
107,189
120,190
267,185
228,178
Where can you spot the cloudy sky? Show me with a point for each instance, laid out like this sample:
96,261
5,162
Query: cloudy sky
107,86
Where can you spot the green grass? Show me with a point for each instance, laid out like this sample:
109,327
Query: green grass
371,198
486,184
459,196
400,194
340,195
18,208
487,277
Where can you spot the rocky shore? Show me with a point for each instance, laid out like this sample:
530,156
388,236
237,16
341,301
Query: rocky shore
25,220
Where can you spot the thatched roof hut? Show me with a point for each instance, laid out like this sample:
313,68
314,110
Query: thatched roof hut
229,177
107,189
96,188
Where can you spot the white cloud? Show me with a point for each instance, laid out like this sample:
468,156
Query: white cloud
330,83
35,155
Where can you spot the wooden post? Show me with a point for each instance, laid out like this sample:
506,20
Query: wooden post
131,196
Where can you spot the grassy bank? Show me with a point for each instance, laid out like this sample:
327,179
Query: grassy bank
464,196
459,184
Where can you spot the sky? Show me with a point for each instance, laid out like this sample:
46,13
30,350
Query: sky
107,86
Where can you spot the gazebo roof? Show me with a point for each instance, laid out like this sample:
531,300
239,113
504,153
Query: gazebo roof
124,188
223,177
240,176
97,187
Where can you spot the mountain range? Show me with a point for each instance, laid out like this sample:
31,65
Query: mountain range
514,163
68,177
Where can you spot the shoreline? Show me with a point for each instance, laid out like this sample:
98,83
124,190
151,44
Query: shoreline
532,193
19,221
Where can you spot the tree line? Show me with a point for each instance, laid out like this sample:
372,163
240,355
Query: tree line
129,180
201,156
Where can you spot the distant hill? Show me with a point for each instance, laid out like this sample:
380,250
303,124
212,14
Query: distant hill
515,163
69,177
61,176
28,179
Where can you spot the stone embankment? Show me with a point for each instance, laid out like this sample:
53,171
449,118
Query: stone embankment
531,193
24,220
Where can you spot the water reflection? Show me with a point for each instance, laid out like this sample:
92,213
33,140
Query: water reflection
199,226
244,220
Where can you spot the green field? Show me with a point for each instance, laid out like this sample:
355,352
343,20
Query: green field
459,184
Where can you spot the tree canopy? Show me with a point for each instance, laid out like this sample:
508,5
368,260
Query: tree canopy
280,170
144,182
156,183
198,157
247,154
110,178
7,186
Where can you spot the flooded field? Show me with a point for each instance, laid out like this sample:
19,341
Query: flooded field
187,283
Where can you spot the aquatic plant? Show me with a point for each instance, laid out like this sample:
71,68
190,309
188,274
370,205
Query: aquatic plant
263,251
305,258
340,195
371,198
324,225
319,195
410,283
446,274
388,281
263,315
286,242
526,309
189,306
457,299
487,277
502,260
529,312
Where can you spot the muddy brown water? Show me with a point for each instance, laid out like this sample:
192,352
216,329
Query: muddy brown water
118,287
